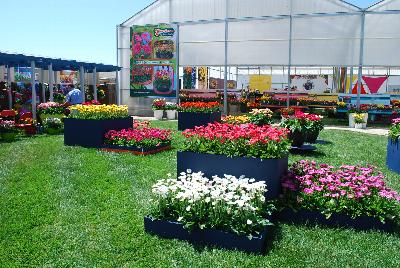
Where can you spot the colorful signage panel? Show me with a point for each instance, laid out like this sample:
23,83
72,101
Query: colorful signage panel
153,60
260,82
202,78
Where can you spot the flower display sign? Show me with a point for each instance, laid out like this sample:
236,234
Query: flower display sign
153,60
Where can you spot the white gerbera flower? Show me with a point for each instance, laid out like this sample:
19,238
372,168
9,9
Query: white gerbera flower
249,222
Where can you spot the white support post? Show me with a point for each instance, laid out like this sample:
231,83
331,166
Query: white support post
51,81
117,85
95,84
226,60
177,84
351,79
9,90
361,63
82,82
43,87
33,83
290,57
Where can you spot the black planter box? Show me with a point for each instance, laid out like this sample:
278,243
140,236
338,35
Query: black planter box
136,150
192,120
362,223
268,170
393,156
174,230
90,133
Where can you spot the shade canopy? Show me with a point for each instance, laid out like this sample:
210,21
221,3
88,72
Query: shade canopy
15,60
259,32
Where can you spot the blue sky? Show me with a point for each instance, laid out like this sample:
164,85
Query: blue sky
74,29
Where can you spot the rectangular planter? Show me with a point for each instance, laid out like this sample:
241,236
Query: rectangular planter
393,156
136,150
90,133
192,120
268,170
174,230
362,223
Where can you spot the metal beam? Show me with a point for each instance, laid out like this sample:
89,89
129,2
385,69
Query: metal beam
9,89
33,84
177,84
290,56
117,81
361,59
82,82
226,61
51,81
94,84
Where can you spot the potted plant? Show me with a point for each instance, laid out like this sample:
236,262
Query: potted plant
87,124
315,126
53,126
362,110
353,196
50,110
170,108
261,117
203,210
359,121
158,108
8,131
297,126
139,140
253,151
192,114
393,149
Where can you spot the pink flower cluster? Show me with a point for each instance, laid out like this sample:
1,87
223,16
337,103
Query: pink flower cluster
48,105
142,137
228,132
346,182
142,45
396,121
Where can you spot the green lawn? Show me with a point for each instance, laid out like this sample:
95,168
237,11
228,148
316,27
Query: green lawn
75,207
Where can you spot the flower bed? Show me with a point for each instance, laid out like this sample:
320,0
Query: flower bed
351,192
50,110
87,124
200,210
193,114
393,150
249,150
141,141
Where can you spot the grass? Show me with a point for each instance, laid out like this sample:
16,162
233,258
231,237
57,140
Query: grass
74,207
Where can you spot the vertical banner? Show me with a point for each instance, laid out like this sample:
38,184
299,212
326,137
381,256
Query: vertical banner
189,78
153,60
203,78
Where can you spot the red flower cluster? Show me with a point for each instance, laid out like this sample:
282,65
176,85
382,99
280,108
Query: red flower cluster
238,140
93,102
199,107
143,137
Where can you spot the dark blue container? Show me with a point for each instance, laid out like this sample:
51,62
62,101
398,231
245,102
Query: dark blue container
393,155
363,223
268,170
174,230
192,120
90,133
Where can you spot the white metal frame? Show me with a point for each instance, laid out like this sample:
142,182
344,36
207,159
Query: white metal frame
360,12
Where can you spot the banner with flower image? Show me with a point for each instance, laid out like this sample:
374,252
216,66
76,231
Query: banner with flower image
153,61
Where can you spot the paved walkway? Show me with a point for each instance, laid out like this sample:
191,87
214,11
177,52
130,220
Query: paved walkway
372,131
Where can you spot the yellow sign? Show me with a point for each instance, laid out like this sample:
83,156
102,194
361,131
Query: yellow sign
260,82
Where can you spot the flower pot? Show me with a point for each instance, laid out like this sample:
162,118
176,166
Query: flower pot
90,133
393,155
297,137
359,125
187,120
209,237
268,170
171,114
9,136
311,136
158,114
352,121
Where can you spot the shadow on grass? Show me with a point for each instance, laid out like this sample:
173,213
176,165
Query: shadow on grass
308,153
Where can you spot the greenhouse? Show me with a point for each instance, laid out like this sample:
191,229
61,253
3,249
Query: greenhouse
287,40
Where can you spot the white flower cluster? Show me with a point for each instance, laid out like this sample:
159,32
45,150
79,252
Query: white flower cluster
228,203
